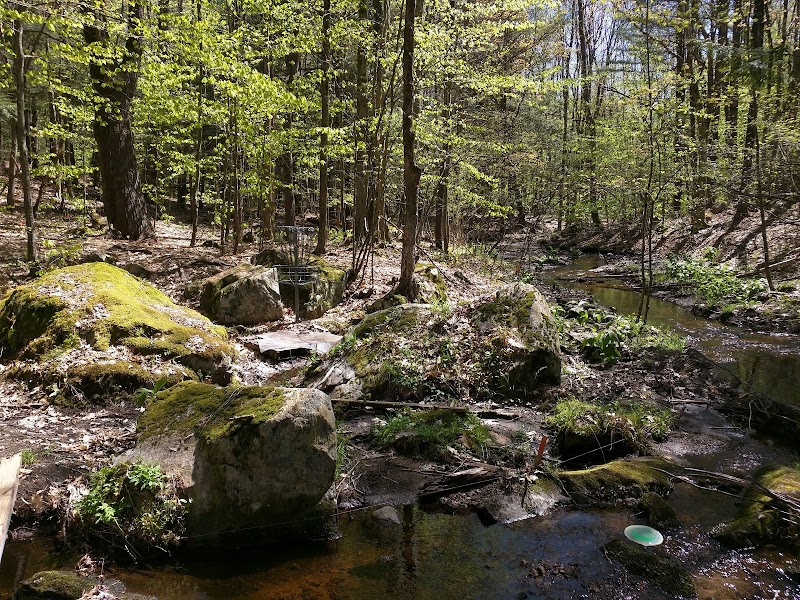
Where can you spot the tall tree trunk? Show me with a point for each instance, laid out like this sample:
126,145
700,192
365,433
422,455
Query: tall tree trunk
441,229
22,141
116,85
360,183
285,166
732,108
411,172
325,123
12,169
588,117
198,149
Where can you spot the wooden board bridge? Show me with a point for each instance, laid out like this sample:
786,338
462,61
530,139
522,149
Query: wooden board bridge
9,480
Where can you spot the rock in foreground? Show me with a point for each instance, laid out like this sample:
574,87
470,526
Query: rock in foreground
251,457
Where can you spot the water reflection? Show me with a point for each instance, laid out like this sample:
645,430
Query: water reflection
769,364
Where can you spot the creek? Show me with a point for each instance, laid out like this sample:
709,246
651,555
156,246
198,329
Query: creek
767,364
439,556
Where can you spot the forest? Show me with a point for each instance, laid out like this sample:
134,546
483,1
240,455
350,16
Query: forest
399,298
254,114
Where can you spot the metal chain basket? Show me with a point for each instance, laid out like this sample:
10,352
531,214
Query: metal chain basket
296,244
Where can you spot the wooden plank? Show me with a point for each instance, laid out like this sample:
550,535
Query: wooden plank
9,480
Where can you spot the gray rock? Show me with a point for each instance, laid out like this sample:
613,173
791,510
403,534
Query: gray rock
519,325
316,296
387,516
252,457
242,295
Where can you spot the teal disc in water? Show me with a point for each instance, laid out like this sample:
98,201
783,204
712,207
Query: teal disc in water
641,534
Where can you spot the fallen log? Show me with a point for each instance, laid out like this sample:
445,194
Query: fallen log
461,480
484,413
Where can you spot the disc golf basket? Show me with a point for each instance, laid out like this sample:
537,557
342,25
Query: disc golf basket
296,244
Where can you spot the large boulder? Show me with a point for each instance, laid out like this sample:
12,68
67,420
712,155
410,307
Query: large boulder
93,321
243,295
519,329
250,457
316,296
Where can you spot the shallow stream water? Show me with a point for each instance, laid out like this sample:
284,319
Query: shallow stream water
438,556
768,363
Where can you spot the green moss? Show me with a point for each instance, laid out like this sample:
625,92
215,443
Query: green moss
104,306
634,422
430,432
102,379
25,316
617,479
192,407
761,519
326,271
656,512
648,563
54,585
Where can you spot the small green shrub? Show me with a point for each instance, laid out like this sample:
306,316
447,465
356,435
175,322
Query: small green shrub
142,395
28,458
133,504
56,256
715,284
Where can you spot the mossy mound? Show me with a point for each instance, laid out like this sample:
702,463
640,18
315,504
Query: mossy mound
98,308
438,352
520,339
616,480
64,585
207,410
54,585
592,432
763,518
652,566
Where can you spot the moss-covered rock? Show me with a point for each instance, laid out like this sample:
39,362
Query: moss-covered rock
656,512
75,316
521,340
54,585
64,585
242,295
592,432
617,480
653,566
250,456
762,518
418,351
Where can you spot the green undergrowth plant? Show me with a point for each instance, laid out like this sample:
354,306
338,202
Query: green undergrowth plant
431,432
634,421
27,457
604,336
132,506
716,284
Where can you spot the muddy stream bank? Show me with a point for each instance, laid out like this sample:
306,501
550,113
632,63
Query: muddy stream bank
434,554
